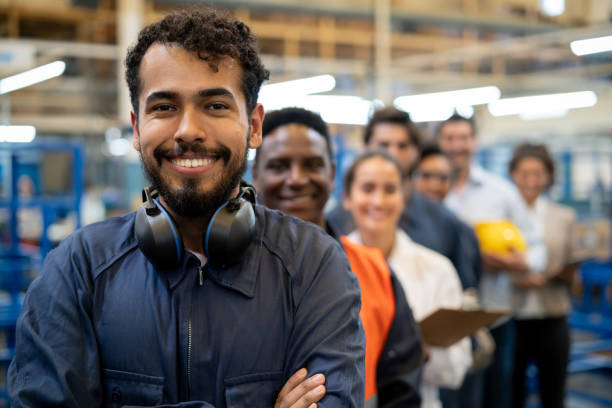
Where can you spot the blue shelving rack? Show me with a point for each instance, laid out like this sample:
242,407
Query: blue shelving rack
15,258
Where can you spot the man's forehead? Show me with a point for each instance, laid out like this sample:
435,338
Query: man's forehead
435,160
391,130
165,60
456,128
296,136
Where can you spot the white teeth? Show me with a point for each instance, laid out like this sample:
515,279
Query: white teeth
190,163
298,199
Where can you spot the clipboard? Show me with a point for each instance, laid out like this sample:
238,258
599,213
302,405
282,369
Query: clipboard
445,327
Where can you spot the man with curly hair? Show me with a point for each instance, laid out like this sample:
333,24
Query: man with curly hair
111,322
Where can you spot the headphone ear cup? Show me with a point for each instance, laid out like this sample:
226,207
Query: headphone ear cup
229,233
158,237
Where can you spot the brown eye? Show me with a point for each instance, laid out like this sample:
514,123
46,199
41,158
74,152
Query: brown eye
367,187
390,188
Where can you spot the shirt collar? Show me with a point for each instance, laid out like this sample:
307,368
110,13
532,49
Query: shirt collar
540,206
477,174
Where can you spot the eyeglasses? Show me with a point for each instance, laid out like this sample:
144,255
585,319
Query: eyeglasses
428,175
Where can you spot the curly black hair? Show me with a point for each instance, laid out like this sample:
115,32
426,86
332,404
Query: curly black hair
390,114
211,34
285,116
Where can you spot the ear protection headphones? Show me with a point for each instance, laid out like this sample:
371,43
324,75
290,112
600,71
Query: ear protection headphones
230,230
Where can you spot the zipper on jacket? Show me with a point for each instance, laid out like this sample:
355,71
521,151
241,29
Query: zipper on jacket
189,359
201,280
201,277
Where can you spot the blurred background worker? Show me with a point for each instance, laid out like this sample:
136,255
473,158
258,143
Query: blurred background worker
433,177
433,174
293,172
478,196
526,71
541,300
426,222
373,194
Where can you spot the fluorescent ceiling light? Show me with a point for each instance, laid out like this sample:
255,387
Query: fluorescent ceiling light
465,111
305,86
17,134
31,77
592,45
432,114
340,109
462,97
544,115
552,8
542,103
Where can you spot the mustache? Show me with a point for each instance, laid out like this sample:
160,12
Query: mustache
182,148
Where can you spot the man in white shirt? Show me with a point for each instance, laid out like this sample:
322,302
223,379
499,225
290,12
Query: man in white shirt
477,196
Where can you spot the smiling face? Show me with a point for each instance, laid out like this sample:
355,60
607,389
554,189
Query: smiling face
432,177
394,138
458,141
294,173
375,198
192,129
531,178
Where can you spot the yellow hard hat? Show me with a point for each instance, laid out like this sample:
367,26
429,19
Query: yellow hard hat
499,237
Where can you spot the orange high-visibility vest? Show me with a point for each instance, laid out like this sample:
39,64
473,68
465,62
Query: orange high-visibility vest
377,304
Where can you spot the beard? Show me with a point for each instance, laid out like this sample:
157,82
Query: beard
187,200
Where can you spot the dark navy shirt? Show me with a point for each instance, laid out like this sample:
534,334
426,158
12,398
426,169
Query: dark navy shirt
102,326
434,226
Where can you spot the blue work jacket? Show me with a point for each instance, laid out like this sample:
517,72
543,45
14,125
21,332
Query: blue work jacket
102,326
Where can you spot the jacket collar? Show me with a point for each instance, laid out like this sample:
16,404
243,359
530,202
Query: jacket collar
241,276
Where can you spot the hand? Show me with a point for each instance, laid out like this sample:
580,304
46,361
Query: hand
301,392
531,282
512,262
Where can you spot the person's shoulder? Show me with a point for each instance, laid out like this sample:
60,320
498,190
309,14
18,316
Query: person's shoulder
339,219
432,259
561,211
292,238
101,239
438,210
368,257
496,182
91,248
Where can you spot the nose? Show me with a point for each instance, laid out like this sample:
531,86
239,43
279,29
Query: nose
378,197
297,176
190,129
394,150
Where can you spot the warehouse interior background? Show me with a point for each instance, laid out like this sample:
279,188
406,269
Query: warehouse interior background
65,143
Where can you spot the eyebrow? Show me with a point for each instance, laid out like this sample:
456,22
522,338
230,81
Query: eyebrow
161,95
171,95
205,93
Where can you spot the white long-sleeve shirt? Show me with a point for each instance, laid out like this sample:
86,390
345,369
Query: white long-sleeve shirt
430,282
487,197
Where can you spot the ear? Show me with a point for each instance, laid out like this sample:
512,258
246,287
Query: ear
257,116
136,135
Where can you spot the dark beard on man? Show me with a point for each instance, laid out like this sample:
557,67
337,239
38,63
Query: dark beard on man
186,200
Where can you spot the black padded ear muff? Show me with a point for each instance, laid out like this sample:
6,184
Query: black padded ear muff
229,231
231,228
156,232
